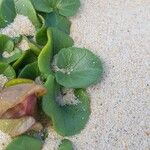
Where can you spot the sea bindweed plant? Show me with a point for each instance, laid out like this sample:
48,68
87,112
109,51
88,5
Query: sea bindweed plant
53,60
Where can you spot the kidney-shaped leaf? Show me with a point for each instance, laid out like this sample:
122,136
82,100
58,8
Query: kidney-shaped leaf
77,68
25,143
67,7
56,20
69,119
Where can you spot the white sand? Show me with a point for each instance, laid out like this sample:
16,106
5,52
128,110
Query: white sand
21,26
119,32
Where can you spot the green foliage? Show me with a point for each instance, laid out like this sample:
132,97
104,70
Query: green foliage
52,57
61,40
44,58
7,70
25,7
77,68
67,7
42,5
7,45
64,7
67,120
58,21
25,143
30,71
7,12
65,145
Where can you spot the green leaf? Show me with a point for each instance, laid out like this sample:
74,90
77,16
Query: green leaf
67,7
7,12
60,22
7,46
7,71
61,40
41,34
42,5
77,68
25,143
65,145
46,54
17,53
25,7
69,119
26,58
6,43
30,71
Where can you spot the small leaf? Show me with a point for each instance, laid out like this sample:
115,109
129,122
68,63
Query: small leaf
67,120
77,68
17,53
30,71
25,143
42,5
6,43
67,7
7,46
8,13
60,22
41,34
46,54
25,7
26,58
61,40
7,71
65,145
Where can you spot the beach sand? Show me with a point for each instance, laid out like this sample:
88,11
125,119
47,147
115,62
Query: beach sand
119,33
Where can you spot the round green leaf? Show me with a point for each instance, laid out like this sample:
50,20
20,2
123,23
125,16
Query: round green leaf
60,22
7,71
67,7
25,143
43,5
7,12
69,119
25,7
65,145
77,68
